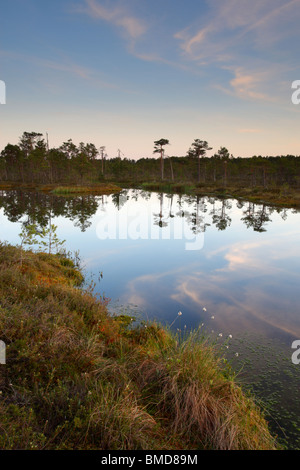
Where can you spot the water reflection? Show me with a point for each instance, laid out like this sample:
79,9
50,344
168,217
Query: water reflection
244,279
247,280
198,212
40,208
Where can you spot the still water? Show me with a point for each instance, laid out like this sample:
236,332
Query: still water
231,266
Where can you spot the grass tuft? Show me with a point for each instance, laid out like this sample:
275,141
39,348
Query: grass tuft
77,378
108,188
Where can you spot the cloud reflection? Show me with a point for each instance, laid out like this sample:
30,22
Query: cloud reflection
254,290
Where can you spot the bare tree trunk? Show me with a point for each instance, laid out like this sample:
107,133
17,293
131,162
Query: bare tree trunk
172,174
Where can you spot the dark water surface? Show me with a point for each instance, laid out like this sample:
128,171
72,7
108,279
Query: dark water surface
232,267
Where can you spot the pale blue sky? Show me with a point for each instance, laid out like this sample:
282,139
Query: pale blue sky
123,73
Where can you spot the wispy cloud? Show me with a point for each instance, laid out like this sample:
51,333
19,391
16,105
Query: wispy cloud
76,70
245,85
139,33
249,84
65,65
228,23
188,41
131,25
71,68
153,57
239,36
270,25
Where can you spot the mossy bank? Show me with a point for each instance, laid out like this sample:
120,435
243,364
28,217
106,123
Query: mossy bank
77,378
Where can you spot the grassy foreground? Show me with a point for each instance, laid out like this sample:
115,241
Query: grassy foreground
77,378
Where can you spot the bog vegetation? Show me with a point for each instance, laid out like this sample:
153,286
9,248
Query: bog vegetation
78,378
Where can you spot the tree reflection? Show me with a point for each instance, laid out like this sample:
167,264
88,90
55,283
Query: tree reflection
158,217
81,209
40,208
257,219
220,218
119,199
196,218
198,212
171,197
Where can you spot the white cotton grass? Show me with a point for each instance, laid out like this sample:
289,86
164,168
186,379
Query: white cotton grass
205,310
179,314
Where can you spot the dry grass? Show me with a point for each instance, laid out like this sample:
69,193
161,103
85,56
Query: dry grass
77,378
107,188
199,398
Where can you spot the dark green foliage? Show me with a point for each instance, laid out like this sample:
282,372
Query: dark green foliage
31,163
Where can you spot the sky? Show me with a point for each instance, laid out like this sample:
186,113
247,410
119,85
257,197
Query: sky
124,73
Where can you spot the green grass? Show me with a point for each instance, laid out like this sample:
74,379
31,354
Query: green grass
94,188
105,188
77,378
169,187
280,196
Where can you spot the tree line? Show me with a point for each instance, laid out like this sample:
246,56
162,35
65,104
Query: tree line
33,161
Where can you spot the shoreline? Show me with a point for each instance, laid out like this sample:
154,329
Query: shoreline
280,197
96,381
63,189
